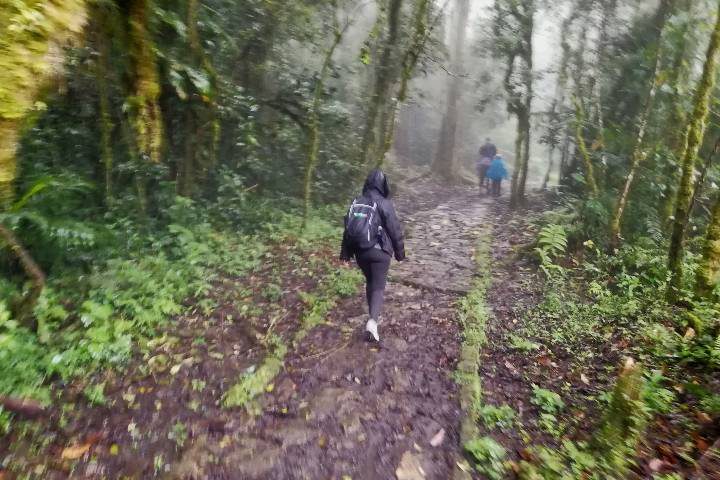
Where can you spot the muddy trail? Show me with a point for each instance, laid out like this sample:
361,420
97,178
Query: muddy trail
337,407
345,408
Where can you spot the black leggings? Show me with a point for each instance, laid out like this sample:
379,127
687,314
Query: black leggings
374,264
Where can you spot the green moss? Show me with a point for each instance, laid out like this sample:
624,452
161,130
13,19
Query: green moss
693,141
473,316
337,284
146,113
32,34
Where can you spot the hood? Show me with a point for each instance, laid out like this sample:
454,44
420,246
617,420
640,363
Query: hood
377,181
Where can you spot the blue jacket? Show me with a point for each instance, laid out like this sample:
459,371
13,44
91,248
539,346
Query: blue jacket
497,170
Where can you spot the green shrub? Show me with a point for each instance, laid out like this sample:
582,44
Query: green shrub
489,457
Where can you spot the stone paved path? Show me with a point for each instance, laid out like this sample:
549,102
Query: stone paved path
346,409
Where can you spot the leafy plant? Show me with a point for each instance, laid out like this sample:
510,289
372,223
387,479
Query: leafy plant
179,434
502,417
523,344
489,457
96,394
547,400
551,243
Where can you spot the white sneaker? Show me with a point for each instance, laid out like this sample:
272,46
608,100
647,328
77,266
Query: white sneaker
372,328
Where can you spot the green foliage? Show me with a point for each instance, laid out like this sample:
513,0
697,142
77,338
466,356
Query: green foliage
656,397
502,417
523,344
336,284
552,242
547,400
489,457
253,383
179,434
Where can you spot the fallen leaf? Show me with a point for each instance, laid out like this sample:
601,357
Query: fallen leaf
114,449
584,379
75,452
438,438
704,418
463,466
544,361
270,388
701,445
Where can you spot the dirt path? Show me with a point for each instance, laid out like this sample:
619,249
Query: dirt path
340,408
343,408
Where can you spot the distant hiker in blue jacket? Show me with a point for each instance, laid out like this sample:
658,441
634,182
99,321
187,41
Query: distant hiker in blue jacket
496,173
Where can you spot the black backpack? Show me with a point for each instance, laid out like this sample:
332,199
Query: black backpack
362,224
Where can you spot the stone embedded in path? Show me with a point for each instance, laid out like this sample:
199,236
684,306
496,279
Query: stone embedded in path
410,467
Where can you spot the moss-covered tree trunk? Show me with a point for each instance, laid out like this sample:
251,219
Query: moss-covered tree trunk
513,29
313,143
23,308
624,421
383,83
146,113
421,34
639,152
202,121
693,140
515,199
708,274
590,180
524,115
551,164
31,57
677,80
102,72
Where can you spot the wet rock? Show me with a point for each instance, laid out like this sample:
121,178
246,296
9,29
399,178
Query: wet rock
410,467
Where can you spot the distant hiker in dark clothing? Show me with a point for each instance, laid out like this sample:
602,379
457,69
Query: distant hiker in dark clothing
497,173
486,154
372,234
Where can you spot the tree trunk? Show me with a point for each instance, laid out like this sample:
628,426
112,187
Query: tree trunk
23,310
583,151
515,199
313,146
106,124
444,164
694,138
678,116
639,153
28,62
146,113
381,90
709,272
410,59
551,163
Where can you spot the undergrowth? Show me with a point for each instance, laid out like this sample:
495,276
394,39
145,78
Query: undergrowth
592,300
100,315
338,283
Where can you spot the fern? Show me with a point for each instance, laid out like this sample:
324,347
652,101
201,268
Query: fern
552,240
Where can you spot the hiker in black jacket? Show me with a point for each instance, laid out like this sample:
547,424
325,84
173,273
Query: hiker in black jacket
372,235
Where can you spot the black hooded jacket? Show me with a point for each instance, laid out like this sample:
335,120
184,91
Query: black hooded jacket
391,241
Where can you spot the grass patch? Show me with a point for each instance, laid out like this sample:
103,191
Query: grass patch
473,316
341,282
